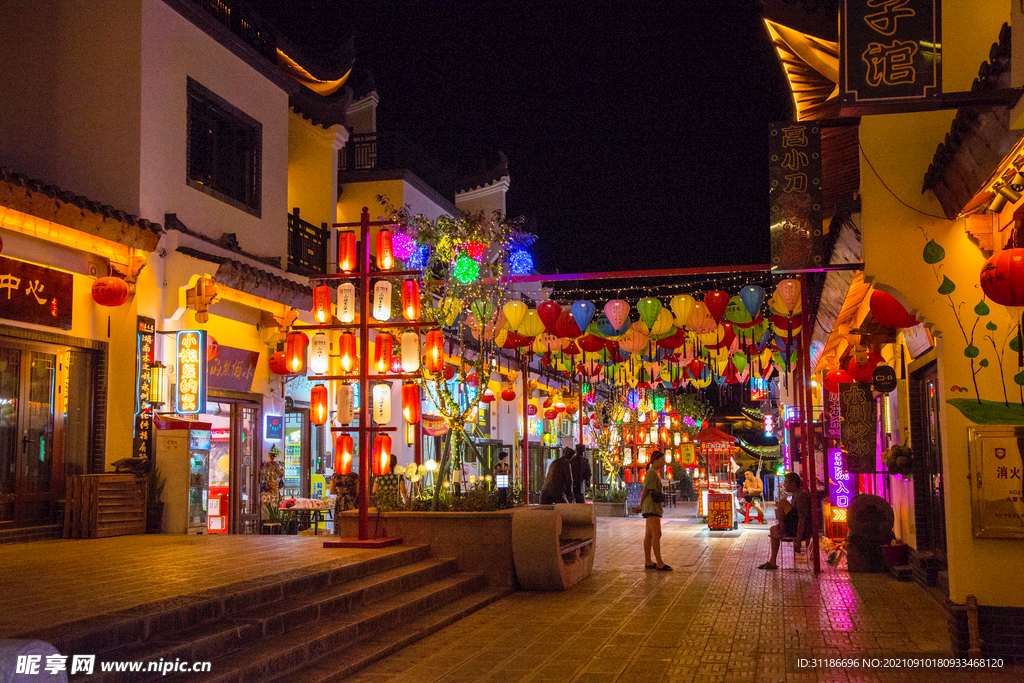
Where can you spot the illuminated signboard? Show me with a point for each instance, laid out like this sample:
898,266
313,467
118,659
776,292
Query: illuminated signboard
840,482
769,424
758,389
190,393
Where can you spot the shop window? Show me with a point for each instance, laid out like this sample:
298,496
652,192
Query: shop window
224,150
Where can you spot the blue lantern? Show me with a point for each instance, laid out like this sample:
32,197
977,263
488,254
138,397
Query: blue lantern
521,263
582,312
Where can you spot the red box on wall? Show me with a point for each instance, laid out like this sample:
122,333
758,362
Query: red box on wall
217,510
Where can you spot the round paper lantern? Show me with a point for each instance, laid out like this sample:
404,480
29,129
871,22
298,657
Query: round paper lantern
343,450
617,312
382,353
382,403
515,312
864,372
566,327
583,313
891,313
531,409
701,320
318,353
449,371
110,291
411,402
835,378
435,350
295,352
649,308
321,303
532,325
550,414
347,251
385,254
318,404
278,366
716,301
212,347
789,294
682,307
1002,278
752,297
343,403
487,396
381,455
549,312
382,300
473,379
411,300
410,351
347,351
346,302
508,393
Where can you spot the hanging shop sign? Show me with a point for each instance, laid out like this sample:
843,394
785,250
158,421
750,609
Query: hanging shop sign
889,55
33,294
273,427
794,153
758,389
858,430
832,419
233,369
145,331
840,489
996,466
190,391
883,379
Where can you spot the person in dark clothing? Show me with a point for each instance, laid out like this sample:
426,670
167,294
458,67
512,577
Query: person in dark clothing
580,467
501,470
794,519
558,482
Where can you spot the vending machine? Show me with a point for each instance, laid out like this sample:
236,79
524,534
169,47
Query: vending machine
182,455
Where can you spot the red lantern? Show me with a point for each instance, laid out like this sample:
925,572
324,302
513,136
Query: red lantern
508,394
411,402
382,353
343,451
1002,278
488,396
411,300
835,378
322,304
212,347
381,454
716,301
473,379
548,403
531,409
277,363
385,256
347,251
295,352
396,364
550,414
449,371
890,312
864,372
434,351
586,420
110,291
549,312
318,404
347,351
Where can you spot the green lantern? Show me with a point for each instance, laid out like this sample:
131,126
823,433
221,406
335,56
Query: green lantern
649,308
466,270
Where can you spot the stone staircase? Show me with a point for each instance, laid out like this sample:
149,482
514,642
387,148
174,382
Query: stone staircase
320,623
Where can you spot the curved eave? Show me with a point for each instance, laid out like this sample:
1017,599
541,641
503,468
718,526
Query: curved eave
812,69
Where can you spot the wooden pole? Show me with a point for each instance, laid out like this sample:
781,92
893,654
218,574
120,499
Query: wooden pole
364,371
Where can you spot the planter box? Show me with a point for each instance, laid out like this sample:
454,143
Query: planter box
610,509
895,555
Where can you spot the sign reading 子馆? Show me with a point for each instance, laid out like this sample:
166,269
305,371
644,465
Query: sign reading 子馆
794,172
857,406
889,54
33,294
190,393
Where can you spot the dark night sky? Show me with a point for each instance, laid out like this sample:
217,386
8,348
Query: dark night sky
635,131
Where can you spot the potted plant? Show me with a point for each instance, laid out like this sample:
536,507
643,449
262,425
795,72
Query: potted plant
155,506
610,503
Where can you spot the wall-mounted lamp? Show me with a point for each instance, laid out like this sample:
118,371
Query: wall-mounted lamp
157,384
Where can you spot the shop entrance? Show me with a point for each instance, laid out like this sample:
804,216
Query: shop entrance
933,463
305,459
38,426
233,463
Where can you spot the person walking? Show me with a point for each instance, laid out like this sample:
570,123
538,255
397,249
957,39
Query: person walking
558,482
580,467
650,507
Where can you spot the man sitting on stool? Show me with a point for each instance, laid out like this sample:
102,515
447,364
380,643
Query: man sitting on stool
753,492
794,519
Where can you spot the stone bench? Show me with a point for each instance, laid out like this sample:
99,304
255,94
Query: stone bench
553,549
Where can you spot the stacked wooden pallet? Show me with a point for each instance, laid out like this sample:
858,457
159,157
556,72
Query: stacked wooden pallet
101,505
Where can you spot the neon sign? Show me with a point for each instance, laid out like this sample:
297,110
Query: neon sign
769,424
190,392
840,482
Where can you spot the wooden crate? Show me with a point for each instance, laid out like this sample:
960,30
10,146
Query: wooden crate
101,505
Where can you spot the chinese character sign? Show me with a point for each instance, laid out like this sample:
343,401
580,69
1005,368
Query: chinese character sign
794,153
720,510
191,388
758,389
840,483
858,427
233,369
144,333
32,294
889,52
997,471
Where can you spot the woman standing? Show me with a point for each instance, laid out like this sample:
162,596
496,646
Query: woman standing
650,506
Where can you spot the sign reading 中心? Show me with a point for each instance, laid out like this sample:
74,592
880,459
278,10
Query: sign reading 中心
889,54
33,294
190,391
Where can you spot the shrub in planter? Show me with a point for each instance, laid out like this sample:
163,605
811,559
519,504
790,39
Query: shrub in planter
155,506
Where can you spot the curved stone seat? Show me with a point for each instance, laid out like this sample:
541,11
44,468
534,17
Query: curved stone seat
553,549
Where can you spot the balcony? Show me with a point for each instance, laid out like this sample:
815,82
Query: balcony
366,154
307,246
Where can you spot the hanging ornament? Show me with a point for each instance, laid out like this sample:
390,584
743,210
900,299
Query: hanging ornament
385,255
382,353
716,302
382,403
515,313
617,312
411,402
891,313
347,251
752,297
649,308
583,313
345,410
346,302
110,291
381,455
549,311
343,450
295,352
520,262
475,250
318,354
410,351
318,404
382,300
347,351
402,245
322,303
466,270
278,365
435,350
411,300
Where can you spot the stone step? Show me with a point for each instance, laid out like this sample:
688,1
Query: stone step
163,618
203,643
369,650
280,656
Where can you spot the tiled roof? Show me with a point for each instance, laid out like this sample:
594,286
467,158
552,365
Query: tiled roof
255,281
489,171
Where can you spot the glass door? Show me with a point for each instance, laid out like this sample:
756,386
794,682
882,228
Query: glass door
246,504
933,461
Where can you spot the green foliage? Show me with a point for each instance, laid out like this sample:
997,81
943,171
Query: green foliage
272,512
982,308
610,496
155,487
475,498
989,412
972,351
1015,343
983,362
991,326
947,286
933,252
1019,378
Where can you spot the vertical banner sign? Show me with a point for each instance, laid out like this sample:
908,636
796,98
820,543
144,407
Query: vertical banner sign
144,331
840,485
833,424
858,430
719,510
190,392
889,54
794,153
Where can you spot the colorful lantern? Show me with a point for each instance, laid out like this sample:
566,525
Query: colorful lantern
385,255
396,363
343,450
514,311
716,301
752,297
649,308
343,402
346,302
382,353
1002,279
110,291
319,353
278,366
318,404
411,300
435,351
382,403
321,303
449,371
487,396
411,402
891,313
508,393
835,378
466,270
549,311
381,455
347,351
550,414
682,307
295,352
532,325
617,312
473,379
382,300
347,251
531,410
788,292
410,351
582,312
212,347
520,262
